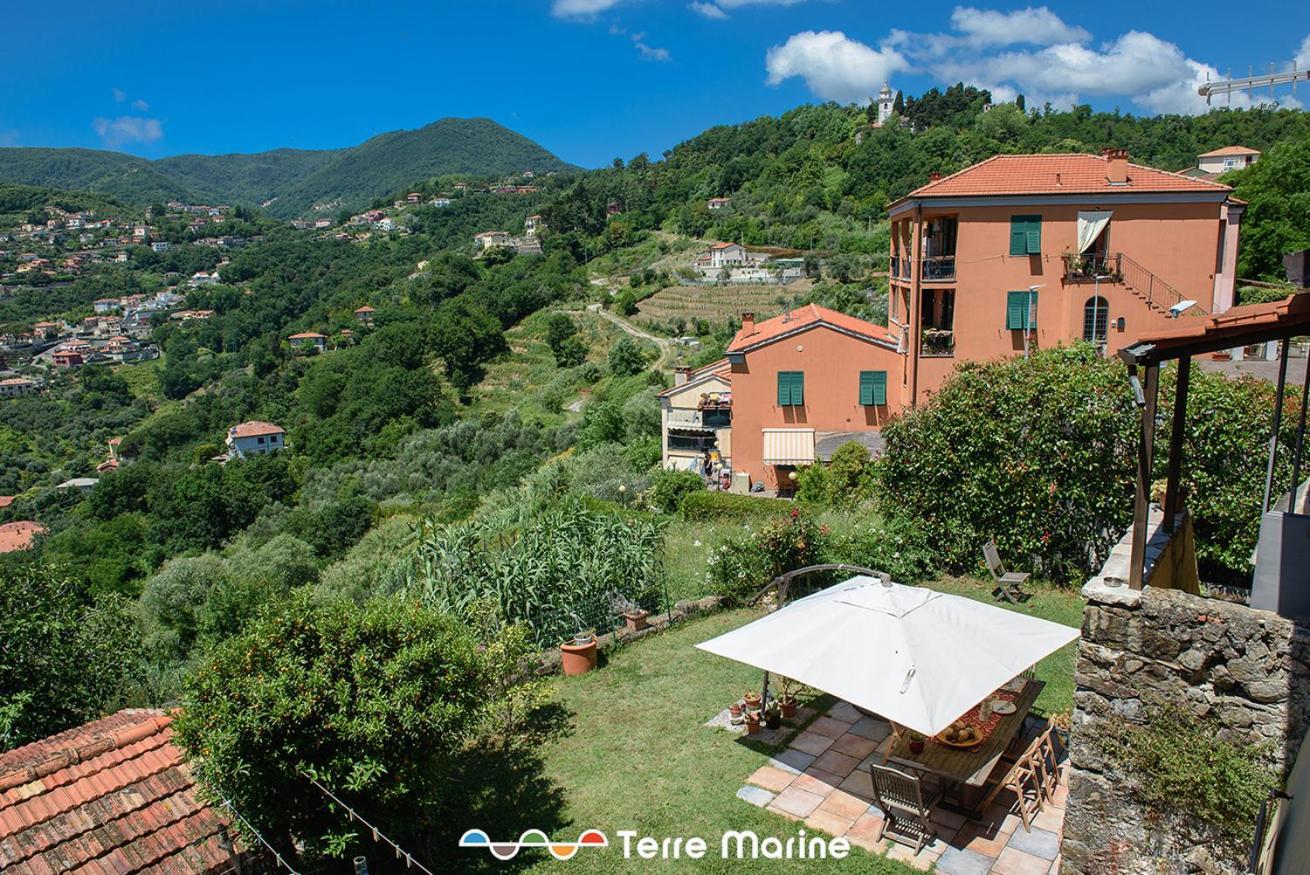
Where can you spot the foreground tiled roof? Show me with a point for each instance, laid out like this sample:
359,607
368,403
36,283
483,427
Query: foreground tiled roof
1056,174
1293,312
113,796
19,535
254,428
806,317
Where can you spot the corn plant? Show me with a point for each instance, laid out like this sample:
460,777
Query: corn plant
570,560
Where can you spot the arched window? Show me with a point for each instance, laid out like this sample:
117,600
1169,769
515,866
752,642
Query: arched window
1096,318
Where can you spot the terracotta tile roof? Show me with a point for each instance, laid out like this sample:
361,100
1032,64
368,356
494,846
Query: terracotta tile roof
803,318
720,368
724,245
1037,174
6,500
1233,325
365,309
308,335
1229,150
19,536
115,796
254,428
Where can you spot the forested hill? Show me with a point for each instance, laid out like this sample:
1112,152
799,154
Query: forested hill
294,181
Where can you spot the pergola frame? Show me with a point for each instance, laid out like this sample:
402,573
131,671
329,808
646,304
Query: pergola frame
1241,326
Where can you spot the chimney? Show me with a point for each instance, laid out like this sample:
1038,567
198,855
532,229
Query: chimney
1116,166
680,375
747,323
934,176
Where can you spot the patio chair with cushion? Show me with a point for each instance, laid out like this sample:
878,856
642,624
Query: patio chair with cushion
1009,584
906,803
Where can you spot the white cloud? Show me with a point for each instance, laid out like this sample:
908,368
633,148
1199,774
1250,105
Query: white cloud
719,8
581,8
1303,56
1039,27
709,10
651,54
834,66
119,95
128,129
140,106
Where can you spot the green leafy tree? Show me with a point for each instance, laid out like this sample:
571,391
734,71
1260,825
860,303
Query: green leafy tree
1277,220
626,358
371,700
64,659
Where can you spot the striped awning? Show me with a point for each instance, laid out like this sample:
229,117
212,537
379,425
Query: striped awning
788,446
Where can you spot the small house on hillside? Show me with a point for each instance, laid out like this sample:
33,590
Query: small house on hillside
718,203
1226,159
309,341
364,315
254,438
491,239
14,537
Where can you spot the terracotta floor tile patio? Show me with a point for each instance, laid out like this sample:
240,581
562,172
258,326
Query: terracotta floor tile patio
823,779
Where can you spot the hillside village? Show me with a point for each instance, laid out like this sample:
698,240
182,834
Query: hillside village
522,479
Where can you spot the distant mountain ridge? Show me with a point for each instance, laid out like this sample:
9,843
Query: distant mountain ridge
291,181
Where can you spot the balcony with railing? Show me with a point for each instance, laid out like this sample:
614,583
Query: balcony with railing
704,419
899,268
937,342
1086,268
937,268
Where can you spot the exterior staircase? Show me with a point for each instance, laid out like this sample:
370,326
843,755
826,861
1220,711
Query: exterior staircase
1158,294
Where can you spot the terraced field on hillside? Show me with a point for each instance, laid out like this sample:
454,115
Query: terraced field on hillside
717,303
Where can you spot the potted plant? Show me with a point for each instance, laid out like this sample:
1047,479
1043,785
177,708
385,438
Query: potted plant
579,655
752,721
787,697
751,700
633,614
772,715
734,714
916,743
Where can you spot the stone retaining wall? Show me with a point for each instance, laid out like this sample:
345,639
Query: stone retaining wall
1246,669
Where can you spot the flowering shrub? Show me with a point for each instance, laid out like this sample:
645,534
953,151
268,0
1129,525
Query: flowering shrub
896,545
741,566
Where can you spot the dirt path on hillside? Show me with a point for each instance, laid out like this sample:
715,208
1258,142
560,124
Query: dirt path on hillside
665,345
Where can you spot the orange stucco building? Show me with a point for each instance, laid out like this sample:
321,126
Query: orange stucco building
804,383
1025,251
1017,252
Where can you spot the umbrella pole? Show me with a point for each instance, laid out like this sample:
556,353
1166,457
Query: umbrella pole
764,691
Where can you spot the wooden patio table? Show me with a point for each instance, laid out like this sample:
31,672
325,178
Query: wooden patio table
969,768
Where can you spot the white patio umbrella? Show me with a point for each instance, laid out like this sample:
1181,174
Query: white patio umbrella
918,658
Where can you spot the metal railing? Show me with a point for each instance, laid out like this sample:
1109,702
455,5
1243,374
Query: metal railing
1156,291
899,267
1086,268
1119,268
937,267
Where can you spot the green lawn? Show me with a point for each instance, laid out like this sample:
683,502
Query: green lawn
638,757
635,756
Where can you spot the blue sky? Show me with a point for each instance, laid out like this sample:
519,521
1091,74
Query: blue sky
588,79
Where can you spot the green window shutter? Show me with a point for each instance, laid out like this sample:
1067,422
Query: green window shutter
873,388
1018,314
1018,235
1025,235
791,388
1034,235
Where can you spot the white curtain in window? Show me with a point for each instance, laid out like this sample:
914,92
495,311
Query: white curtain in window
1090,226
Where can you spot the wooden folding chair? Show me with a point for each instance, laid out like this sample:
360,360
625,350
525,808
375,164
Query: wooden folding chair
1009,584
1024,778
905,806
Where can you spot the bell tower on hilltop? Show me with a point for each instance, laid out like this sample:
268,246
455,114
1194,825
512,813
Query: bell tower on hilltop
886,99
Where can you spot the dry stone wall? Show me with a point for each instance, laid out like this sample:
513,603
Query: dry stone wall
1246,669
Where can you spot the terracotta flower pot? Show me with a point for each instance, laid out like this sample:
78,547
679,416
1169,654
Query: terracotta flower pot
751,700
578,658
636,620
734,715
916,747
788,707
752,723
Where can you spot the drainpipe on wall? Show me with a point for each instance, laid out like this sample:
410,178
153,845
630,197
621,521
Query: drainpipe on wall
916,302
